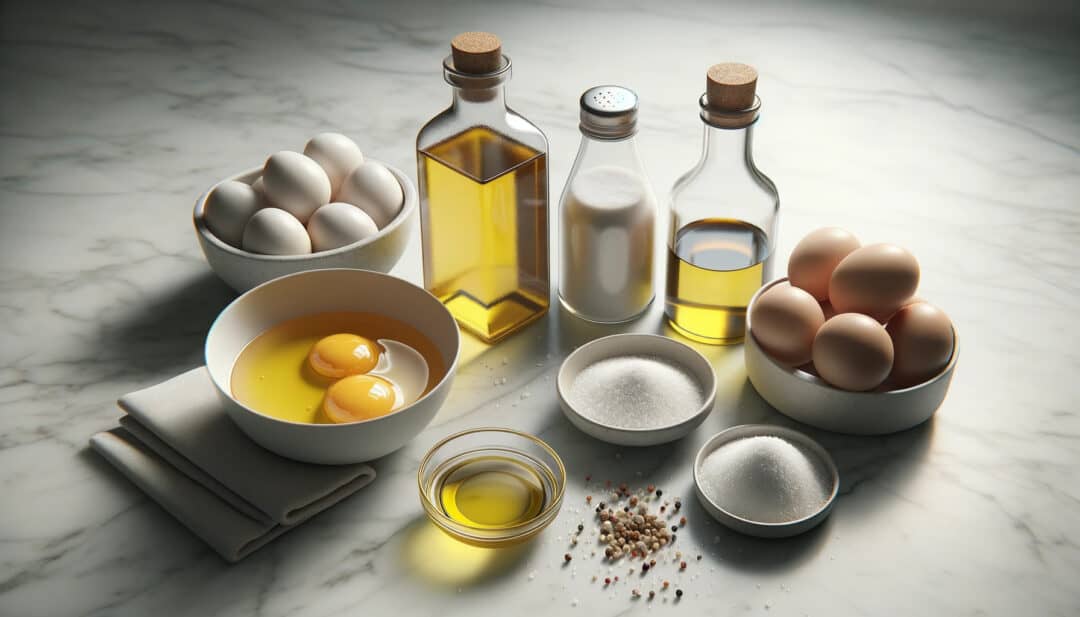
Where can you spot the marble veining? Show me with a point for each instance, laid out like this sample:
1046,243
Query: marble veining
954,133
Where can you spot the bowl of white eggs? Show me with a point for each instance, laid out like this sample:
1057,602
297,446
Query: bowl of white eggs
327,207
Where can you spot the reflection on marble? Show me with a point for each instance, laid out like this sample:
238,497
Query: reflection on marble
954,135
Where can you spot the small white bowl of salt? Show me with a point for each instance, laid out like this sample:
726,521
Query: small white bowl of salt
636,389
766,481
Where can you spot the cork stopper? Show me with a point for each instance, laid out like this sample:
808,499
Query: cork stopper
477,53
730,86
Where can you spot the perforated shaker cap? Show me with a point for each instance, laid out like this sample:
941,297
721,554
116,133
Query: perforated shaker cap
609,112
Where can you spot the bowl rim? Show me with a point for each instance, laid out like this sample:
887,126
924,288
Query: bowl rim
734,433
708,389
448,374
817,382
545,516
409,200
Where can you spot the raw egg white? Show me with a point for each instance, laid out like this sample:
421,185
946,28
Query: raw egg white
784,321
339,224
272,231
228,209
374,189
875,280
295,183
336,154
853,352
816,256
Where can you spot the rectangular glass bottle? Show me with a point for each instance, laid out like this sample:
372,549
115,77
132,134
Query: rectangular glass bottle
482,172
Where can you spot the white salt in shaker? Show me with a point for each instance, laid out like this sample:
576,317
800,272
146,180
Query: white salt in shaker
607,215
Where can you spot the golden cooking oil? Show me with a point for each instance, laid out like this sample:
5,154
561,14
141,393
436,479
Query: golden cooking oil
491,492
484,229
714,267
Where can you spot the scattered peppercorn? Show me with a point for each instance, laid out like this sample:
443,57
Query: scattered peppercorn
588,499
699,557
652,594
674,528
635,593
682,521
644,568
588,477
580,527
650,488
659,492
652,562
678,504
666,583
567,557
662,508
682,564
678,593
607,580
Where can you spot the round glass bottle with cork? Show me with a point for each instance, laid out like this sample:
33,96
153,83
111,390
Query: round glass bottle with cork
607,215
724,215
483,183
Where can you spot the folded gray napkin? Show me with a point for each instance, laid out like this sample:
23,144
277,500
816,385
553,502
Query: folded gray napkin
177,445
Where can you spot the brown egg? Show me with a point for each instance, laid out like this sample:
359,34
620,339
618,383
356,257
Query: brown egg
815,257
875,280
784,321
853,352
922,337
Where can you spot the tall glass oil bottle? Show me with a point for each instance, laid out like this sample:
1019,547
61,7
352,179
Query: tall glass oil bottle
483,180
724,215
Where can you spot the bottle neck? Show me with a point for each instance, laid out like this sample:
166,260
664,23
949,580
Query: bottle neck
618,152
467,99
727,148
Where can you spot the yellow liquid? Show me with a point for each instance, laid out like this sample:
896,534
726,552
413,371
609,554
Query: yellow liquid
272,375
714,267
491,492
484,227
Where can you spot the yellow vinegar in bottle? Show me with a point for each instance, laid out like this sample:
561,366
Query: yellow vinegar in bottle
491,492
485,230
714,267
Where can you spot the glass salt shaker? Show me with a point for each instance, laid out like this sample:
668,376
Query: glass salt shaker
724,216
607,215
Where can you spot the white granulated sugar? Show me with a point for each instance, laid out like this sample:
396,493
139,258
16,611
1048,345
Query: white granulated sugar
636,392
765,479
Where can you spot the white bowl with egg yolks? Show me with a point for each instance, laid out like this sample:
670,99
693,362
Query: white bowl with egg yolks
243,270
809,399
321,291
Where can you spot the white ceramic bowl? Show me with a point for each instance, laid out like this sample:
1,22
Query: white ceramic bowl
320,291
628,345
810,400
242,270
758,528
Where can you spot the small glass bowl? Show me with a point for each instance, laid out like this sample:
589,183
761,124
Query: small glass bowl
484,442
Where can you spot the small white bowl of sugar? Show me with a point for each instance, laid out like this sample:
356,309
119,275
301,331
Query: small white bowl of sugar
766,481
636,389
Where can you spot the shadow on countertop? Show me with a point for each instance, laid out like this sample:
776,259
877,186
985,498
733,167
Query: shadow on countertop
165,333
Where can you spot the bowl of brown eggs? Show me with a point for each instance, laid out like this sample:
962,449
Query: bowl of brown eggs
327,207
844,344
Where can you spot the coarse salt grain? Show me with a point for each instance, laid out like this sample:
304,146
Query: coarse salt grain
636,392
765,479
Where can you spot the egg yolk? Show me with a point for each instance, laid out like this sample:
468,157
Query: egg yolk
340,355
358,397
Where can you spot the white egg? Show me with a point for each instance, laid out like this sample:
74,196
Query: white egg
337,224
336,154
228,209
372,188
295,183
273,231
405,369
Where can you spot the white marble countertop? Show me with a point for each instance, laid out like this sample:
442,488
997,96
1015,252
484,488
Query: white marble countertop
953,135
